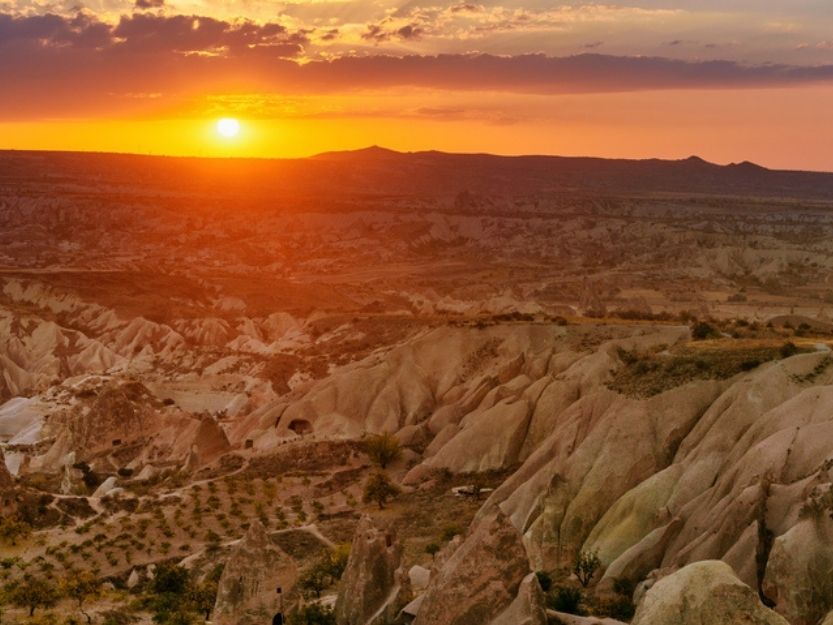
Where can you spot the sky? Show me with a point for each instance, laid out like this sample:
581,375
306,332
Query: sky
728,81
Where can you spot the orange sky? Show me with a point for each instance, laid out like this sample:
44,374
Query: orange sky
748,80
784,127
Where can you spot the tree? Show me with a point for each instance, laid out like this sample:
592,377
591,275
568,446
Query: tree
13,529
379,489
314,581
337,561
170,579
81,588
703,331
383,449
587,563
34,592
324,573
170,599
204,595
432,549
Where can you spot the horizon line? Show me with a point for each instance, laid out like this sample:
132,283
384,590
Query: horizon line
378,148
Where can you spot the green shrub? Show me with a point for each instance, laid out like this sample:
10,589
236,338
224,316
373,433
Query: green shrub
788,349
587,563
702,331
379,489
565,599
383,449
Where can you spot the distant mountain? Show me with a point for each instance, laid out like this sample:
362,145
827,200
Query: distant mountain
379,171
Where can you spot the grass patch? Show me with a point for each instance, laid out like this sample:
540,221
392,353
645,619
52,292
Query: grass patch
646,375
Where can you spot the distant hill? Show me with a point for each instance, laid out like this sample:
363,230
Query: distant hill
378,171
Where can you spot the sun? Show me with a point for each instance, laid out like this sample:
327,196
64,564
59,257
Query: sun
228,127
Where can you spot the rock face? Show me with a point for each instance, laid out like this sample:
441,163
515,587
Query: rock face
247,591
703,593
374,588
799,573
482,579
528,606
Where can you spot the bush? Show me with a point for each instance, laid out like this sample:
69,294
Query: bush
620,608
450,531
544,580
324,573
12,530
383,449
565,599
34,592
380,489
703,331
587,563
788,349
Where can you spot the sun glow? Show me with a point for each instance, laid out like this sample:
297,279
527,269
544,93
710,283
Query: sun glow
228,127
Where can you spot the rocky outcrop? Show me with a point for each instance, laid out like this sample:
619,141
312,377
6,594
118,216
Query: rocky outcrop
374,588
703,593
528,606
256,567
799,573
481,580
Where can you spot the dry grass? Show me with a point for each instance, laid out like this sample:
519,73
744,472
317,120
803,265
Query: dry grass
645,375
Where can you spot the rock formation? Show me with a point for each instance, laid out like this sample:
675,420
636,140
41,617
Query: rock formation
254,570
373,588
703,593
482,579
528,606
799,572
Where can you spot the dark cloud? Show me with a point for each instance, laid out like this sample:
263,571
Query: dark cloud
411,31
147,33
184,33
78,66
378,33
375,33
466,8
54,31
149,4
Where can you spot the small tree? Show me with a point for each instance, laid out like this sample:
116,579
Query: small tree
587,563
314,581
383,449
380,489
13,529
337,561
565,599
324,573
432,549
204,595
81,588
703,331
450,531
34,592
